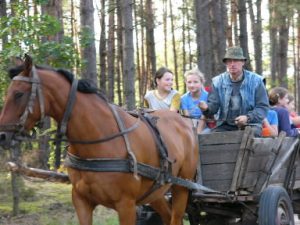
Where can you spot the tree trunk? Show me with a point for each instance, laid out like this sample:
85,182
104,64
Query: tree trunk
74,32
234,25
256,25
184,31
44,146
111,51
298,61
273,43
88,50
219,23
174,45
102,49
150,42
54,8
128,54
165,27
243,31
120,65
2,15
203,31
283,42
189,38
138,57
15,178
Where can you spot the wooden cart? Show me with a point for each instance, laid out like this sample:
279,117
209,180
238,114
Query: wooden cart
257,179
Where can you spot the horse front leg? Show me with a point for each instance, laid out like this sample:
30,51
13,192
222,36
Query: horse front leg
84,210
179,202
127,212
163,208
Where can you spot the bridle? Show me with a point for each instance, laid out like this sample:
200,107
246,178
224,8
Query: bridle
36,92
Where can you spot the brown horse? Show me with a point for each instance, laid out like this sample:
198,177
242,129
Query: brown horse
37,91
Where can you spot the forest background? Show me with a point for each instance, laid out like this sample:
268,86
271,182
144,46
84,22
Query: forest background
119,44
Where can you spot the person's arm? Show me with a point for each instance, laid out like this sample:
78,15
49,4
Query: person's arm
175,104
284,124
146,104
273,129
185,112
261,105
201,124
213,103
296,120
183,106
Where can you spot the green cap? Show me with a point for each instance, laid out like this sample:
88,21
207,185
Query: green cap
234,53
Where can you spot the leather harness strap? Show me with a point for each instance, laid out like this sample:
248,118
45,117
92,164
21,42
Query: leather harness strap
124,165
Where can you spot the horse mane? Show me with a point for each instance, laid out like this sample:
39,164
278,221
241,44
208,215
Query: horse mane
84,85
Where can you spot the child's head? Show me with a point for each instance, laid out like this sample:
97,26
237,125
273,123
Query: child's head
194,80
163,79
279,96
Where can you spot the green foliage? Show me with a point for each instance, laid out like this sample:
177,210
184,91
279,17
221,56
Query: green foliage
86,36
32,34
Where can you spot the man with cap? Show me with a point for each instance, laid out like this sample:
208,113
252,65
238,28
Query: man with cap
238,96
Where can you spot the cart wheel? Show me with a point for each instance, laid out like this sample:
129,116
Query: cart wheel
275,207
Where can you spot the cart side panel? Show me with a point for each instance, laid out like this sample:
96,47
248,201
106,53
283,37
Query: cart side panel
282,162
258,164
218,152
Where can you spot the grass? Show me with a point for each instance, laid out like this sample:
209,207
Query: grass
45,203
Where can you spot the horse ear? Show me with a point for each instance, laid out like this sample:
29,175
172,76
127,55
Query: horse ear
27,65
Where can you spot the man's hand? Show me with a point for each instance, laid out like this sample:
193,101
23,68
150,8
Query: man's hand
241,121
203,106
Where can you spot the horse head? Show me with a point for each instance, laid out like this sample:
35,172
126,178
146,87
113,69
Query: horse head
21,107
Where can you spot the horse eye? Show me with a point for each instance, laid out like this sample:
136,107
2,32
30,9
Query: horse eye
18,95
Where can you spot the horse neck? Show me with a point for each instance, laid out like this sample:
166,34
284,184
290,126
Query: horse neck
56,90
91,117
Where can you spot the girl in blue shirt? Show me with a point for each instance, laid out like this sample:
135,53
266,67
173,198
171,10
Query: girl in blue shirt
194,80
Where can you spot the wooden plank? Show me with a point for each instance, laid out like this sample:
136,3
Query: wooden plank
287,143
227,137
297,178
219,185
283,158
260,162
222,147
219,155
260,183
250,180
247,135
274,146
217,171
